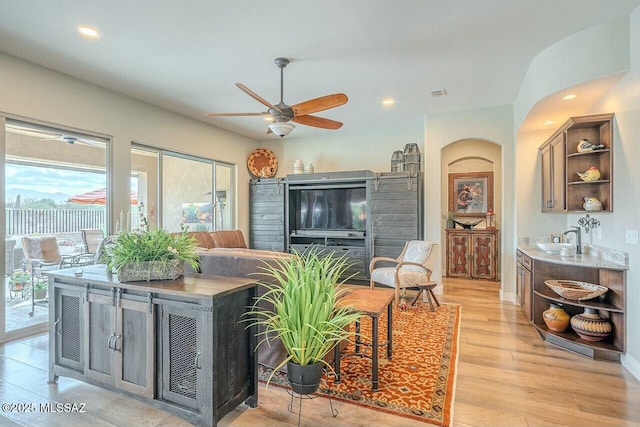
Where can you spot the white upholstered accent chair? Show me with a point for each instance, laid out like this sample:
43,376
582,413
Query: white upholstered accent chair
414,266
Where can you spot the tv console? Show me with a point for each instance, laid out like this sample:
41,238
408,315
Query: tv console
390,214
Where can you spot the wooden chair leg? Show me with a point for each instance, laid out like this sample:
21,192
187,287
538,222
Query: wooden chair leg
428,294
434,297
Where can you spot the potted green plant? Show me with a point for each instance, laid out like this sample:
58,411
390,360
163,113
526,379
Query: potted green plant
299,308
450,219
40,288
151,255
19,280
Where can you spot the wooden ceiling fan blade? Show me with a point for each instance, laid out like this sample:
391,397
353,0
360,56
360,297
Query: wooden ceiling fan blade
234,114
318,122
319,104
257,97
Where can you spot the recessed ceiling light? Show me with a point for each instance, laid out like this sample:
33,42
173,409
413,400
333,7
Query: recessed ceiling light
568,97
549,122
88,32
388,101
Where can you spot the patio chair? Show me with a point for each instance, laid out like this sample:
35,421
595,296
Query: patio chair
412,269
42,253
91,238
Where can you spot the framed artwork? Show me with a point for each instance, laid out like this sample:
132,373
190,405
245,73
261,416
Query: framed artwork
470,193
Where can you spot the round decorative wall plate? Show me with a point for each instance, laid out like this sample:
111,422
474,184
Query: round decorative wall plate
262,163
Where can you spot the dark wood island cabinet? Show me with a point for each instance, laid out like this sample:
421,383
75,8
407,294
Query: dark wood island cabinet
180,345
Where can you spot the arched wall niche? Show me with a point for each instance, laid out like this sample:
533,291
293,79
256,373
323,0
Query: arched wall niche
470,155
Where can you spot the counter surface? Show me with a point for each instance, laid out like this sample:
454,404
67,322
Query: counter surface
578,260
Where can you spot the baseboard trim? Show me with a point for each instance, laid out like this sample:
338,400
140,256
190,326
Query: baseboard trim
631,364
508,296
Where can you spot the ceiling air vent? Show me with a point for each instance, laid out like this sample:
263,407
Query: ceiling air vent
439,92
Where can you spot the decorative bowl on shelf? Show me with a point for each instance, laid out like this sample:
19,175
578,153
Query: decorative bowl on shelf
554,248
575,290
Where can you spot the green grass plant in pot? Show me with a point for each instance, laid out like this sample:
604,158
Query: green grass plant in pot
301,295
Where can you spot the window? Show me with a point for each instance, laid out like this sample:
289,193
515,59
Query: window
176,190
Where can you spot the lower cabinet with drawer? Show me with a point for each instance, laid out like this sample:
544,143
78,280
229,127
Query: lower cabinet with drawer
178,344
352,249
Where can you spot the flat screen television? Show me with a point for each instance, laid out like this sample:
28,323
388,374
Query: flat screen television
330,209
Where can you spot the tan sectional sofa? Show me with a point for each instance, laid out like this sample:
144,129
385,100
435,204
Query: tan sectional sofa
219,239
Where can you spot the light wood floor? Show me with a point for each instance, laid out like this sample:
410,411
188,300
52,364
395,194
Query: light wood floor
507,376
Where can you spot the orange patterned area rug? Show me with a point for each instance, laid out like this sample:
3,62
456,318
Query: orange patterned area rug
418,382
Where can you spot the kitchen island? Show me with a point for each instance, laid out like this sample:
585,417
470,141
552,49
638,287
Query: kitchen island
603,267
181,345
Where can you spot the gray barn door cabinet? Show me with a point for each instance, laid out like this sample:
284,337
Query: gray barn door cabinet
178,345
394,215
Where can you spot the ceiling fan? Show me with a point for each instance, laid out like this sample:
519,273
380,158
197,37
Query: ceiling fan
282,113
50,135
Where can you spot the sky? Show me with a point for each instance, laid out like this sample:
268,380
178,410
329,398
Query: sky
27,178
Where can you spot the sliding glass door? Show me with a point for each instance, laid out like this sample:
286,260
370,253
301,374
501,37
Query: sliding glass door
51,179
179,191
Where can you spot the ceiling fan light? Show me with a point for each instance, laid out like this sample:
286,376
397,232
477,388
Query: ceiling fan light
281,128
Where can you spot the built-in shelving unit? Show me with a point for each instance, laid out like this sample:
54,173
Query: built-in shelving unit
611,306
563,189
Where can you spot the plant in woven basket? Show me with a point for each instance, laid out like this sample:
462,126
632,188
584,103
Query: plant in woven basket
302,309
153,249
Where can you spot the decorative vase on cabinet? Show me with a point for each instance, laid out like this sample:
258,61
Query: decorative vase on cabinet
556,318
590,326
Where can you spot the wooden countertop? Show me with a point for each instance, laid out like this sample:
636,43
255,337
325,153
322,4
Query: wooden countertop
200,285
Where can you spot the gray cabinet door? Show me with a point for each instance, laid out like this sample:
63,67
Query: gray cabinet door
68,326
119,341
395,212
134,347
100,334
181,356
266,214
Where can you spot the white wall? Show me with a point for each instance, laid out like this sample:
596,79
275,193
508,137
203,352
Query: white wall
34,92
596,52
494,124
344,150
529,218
